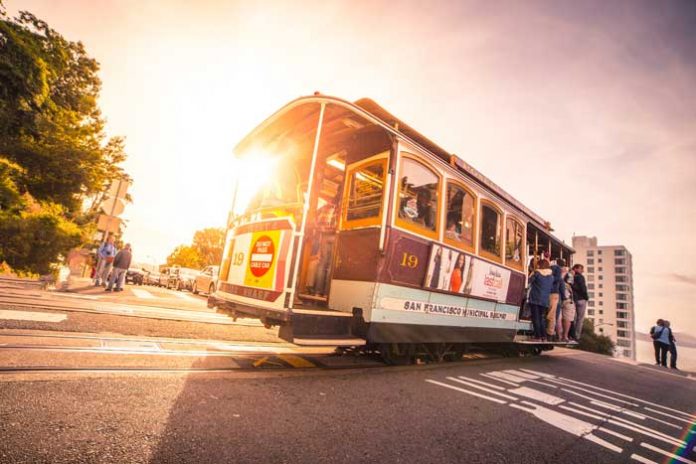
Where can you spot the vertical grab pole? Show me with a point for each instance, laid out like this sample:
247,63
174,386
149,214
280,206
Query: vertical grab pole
305,207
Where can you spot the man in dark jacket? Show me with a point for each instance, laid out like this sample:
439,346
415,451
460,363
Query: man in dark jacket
554,298
539,292
580,297
122,262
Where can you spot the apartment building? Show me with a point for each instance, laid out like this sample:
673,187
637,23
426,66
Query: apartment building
609,276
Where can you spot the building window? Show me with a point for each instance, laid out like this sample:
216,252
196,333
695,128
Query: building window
621,315
365,190
590,312
621,296
601,303
600,277
590,270
599,260
600,285
619,253
590,303
590,252
621,306
621,278
622,324
601,294
590,278
600,268
490,231
590,286
590,294
623,342
601,311
622,333
590,261
620,270
620,262
461,216
622,288
599,252
514,239
419,189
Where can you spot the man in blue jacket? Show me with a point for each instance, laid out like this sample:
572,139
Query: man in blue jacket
555,297
539,292
105,259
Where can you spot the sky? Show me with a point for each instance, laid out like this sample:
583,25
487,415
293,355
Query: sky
584,111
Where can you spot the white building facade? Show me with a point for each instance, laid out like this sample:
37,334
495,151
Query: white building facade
609,276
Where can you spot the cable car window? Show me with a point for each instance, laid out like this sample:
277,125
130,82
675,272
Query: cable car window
461,216
418,196
514,234
490,231
364,196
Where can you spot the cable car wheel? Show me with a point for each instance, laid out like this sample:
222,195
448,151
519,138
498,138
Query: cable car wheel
397,354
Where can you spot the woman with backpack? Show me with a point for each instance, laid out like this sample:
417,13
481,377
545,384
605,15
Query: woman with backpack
661,335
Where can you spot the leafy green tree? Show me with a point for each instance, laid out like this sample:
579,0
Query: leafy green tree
209,244
53,149
185,256
590,341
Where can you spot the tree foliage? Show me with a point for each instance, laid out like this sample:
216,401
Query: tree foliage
185,256
53,149
590,341
209,243
205,250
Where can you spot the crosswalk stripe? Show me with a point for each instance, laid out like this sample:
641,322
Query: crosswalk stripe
31,316
144,294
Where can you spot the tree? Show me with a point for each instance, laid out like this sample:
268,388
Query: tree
590,341
209,244
53,150
185,256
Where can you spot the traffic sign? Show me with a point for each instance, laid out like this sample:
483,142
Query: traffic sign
108,224
113,206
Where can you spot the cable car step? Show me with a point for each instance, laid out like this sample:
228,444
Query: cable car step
328,341
524,340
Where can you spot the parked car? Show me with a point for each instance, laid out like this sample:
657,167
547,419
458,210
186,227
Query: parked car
163,279
206,281
135,276
151,278
182,278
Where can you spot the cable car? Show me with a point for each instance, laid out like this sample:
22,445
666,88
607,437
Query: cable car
349,228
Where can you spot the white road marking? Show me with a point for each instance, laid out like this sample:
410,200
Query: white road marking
639,458
616,434
604,443
612,407
75,295
31,316
495,387
567,423
524,375
184,296
505,376
690,416
495,400
500,380
671,416
144,294
537,395
509,397
589,398
667,453
546,384
540,374
659,436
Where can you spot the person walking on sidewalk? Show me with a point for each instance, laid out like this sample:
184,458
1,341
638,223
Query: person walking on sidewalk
122,262
105,258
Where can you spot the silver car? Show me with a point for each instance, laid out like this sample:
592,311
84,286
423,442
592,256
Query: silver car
206,281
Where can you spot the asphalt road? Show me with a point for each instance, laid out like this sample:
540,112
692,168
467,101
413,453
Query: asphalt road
386,415
180,393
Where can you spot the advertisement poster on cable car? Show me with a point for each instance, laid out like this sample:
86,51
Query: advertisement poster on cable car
457,272
259,258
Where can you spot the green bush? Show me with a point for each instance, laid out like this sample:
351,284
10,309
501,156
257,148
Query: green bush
590,341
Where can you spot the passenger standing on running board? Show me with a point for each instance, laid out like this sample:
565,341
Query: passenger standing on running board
580,297
540,290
